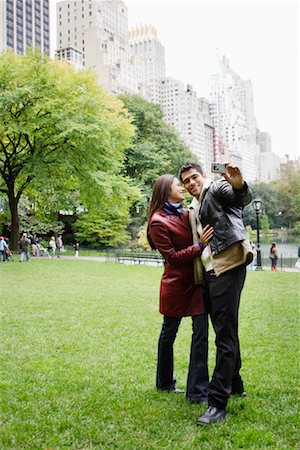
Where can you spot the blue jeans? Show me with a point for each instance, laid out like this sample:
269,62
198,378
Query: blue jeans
23,253
2,255
197,380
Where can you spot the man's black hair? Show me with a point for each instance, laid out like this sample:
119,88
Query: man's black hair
188,166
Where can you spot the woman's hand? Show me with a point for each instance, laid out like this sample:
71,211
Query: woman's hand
207,234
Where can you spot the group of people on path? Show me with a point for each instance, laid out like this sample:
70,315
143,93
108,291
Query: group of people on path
25,243
56,244
206,251
32,246
5,253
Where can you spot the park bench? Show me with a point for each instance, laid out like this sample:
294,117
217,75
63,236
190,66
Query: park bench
139,258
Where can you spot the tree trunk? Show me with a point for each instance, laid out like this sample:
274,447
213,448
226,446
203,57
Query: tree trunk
15,223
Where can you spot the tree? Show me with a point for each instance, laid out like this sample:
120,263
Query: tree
289,191
280,200
264,223
268,193
58,129
108,226
156,149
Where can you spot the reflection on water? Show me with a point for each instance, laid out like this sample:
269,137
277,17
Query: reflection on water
287,246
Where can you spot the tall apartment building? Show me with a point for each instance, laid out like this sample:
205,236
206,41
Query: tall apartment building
71,54
264,142
99,30
233,119
24,23
268,163
209,136
145,45
269,167
189,115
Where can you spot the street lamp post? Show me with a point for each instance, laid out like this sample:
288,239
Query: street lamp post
257,203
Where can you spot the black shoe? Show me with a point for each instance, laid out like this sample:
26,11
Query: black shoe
239,394
211,415
199,400
177,391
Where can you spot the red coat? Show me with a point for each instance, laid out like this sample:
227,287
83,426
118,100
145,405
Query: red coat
179,296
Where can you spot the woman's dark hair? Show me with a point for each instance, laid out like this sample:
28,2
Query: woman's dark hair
160,193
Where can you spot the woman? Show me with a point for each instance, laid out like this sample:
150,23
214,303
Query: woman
52,247
273,256
169,232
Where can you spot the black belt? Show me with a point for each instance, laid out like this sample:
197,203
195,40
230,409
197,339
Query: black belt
210,272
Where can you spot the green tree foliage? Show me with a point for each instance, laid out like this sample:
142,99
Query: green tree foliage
280,200
289,191
264,223
59,132
271,204
108,225
156,149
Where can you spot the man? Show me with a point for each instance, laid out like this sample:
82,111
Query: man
60,245
220,204
3,247
24,247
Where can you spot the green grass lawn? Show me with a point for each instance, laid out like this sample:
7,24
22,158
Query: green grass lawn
78,356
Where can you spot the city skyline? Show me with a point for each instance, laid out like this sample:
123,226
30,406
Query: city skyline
268,57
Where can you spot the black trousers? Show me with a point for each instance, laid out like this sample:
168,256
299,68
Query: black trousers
197,380
223,296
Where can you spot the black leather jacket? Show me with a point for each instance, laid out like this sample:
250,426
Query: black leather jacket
222,208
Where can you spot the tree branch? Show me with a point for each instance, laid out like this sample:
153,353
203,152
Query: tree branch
21,189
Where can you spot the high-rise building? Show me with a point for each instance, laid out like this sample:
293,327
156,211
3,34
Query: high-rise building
268,163
189,115
209,136
99,30
73,55
24,23
145,45
269,167
263,140
232,112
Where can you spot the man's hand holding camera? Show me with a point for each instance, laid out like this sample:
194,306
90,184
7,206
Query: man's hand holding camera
234,176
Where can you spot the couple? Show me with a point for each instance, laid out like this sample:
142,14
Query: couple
191,265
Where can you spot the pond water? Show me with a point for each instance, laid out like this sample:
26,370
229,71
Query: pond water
287,247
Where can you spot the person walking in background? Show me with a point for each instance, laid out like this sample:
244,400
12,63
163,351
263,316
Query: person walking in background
297,265
3,249
60,246
76,248
273,255
34,245
52,247
25,247
169,232
8,252
220,204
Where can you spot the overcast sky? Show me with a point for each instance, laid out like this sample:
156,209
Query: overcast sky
260,39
